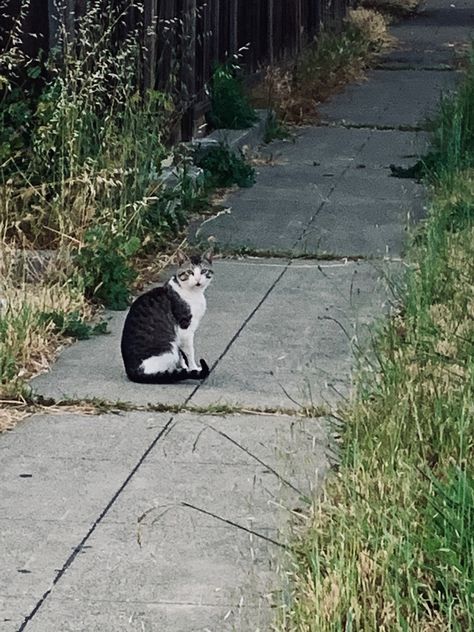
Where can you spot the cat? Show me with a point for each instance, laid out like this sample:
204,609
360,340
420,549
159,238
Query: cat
158,335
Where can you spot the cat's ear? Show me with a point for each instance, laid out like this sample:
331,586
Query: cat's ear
180,257
207,256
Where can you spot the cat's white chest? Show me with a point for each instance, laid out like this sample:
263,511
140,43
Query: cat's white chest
196,301
197,305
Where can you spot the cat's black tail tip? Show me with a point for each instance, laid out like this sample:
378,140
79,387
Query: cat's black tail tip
204,370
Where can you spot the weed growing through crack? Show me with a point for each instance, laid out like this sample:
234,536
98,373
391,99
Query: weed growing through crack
391,541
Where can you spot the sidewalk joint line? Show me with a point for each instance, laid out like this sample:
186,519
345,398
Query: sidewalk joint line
338,179
377,127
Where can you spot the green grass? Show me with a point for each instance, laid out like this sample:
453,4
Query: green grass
391,543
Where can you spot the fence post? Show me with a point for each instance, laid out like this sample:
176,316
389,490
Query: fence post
150,19
271,52
188,67
299,27
233,26
215,27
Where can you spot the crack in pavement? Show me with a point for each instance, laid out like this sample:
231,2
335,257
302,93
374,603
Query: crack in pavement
327,199
341,124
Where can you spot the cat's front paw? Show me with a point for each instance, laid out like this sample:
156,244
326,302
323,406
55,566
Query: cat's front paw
184,322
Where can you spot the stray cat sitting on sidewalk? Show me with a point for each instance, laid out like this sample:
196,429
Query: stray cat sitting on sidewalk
158,334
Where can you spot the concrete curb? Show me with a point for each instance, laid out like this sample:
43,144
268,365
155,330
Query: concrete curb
236,139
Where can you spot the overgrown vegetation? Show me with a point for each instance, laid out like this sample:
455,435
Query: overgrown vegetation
230,107
82,147
85,151
391,545
322,68
223,167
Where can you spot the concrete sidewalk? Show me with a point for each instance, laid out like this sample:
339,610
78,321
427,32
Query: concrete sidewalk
177,521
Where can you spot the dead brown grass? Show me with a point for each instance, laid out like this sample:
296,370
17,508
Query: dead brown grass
28,342
323,68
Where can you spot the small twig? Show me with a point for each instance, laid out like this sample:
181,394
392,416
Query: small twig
254,456
237,526
289,396
61,234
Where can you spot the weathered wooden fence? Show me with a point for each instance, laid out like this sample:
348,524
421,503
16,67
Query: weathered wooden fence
189,37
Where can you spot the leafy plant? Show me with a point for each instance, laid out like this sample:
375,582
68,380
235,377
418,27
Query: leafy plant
230,108
223,167
104,265
73,325
16,114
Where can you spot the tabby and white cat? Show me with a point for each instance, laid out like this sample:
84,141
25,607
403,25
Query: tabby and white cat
158,334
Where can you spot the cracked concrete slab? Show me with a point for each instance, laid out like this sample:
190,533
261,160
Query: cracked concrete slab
251,363
246,494
49,484
434,36
306,361
241,439
67,435
383,101
353,190
337,230
246,228
335,147
31,552
239,468
385,147
193,561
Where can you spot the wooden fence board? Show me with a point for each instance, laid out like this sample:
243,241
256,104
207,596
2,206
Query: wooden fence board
184,39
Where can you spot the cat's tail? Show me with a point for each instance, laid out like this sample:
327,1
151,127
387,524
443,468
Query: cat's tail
169,377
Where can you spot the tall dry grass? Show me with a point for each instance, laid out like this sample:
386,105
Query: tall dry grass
324,67
81,162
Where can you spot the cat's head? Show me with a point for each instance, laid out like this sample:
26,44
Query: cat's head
195,270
